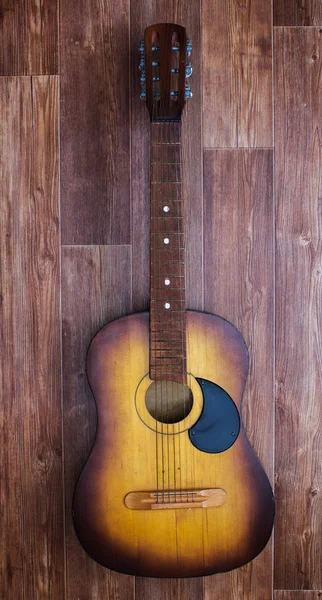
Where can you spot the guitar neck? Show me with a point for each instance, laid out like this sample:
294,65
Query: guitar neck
167,256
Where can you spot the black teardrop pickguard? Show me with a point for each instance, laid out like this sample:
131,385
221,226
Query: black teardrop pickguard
219,423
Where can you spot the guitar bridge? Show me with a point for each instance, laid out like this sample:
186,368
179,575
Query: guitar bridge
174,499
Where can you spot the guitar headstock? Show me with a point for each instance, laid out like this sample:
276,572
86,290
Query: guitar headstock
164,70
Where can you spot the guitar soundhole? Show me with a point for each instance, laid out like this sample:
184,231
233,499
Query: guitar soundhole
168,401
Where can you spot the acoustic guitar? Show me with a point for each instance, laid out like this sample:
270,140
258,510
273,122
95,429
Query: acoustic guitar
172,487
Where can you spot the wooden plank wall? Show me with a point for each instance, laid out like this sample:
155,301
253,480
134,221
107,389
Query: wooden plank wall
76,256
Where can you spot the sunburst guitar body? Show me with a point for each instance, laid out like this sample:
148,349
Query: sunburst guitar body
172,487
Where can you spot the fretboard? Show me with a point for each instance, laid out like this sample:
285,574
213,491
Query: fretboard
167,256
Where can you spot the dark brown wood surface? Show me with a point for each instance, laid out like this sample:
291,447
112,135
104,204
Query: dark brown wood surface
31,487
237,74
28,37
238,242
104,195
298,179
95,122
293,12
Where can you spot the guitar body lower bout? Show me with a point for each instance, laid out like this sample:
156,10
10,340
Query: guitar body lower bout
227,529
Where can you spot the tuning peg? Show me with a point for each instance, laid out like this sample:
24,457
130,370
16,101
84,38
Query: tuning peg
188,70
142,64
142,48
142,78
143,95
189,47
188,92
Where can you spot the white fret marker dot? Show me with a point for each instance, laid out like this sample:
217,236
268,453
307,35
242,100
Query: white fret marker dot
167,281
166,209
166,240
167,305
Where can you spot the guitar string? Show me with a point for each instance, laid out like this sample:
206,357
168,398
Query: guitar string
177,208
177,158
171,385
154,132
186,376
174,159
182,306
159,362
160,150
152,277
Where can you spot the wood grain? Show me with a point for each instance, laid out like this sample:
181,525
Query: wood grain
239,286
292,12
29,37
145,13
96,288
298,88
31,500
237,74
95,118
297,595
169,589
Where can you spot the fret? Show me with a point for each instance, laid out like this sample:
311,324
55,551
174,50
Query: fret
165,163
167,199
166,345
156,313
165,299
166,247
166,144
175,368
154,360
167,311
160,232
174,286
179,332
162,372
166,182
158,362
168,262
177,341
173,297
167,288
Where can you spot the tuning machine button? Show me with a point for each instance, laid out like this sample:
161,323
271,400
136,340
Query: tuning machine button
188,70
142,48
188,92
189,47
